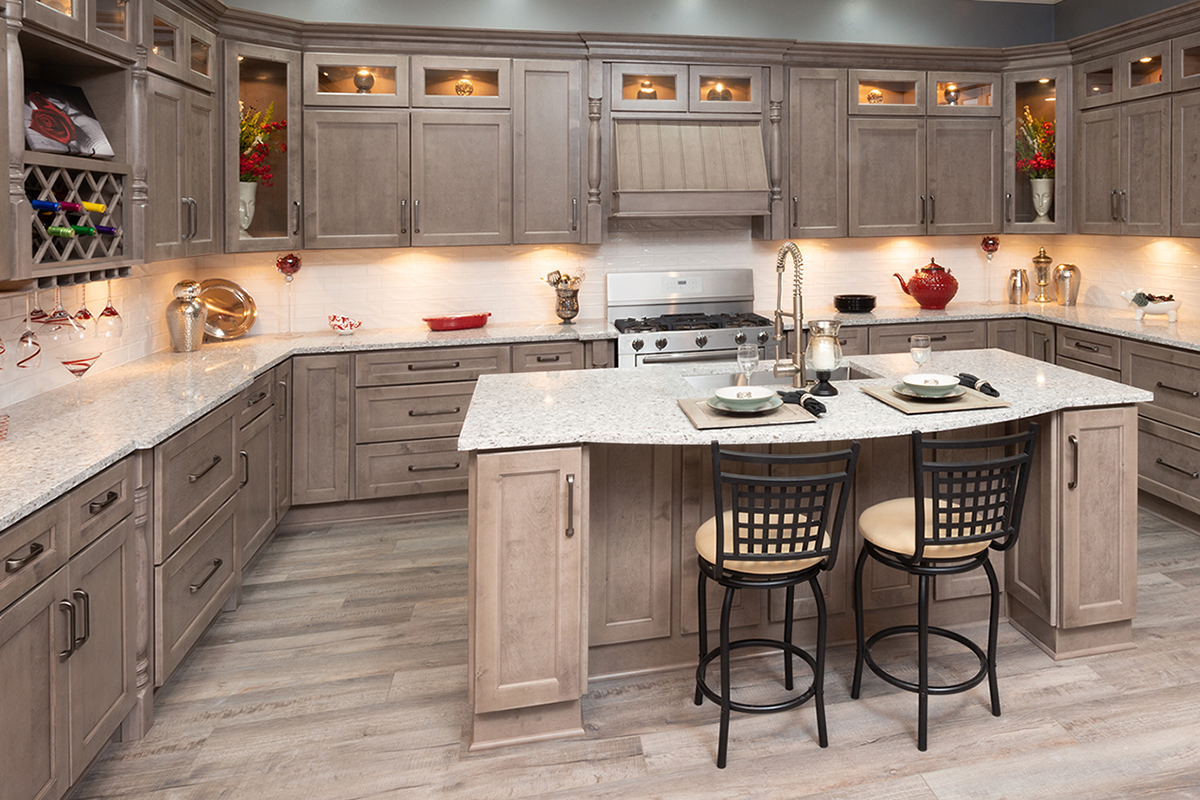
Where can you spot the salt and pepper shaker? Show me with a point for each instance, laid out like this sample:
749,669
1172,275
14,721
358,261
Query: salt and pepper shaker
1041,267
186,315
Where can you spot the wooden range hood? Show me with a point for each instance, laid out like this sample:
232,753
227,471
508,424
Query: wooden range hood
676,168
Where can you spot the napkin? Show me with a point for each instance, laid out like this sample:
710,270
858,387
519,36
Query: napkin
802,398
971,382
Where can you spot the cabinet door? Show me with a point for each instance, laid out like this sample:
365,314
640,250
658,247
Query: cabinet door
1045,92
461,178
1098,491
1146,167
351,200
167,212
547,148
65,17
254,518
528,524
817,153
964,175
1040,343
283,439
887,177
1097,190
1007,334
1185,165
962,335
103,676
200,178
320,429
34,739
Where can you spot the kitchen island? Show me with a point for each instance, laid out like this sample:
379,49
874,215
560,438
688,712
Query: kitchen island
585,488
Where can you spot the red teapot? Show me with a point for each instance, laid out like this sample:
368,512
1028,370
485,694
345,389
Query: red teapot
932,285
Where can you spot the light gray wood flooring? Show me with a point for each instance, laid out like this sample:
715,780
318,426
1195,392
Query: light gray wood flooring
343,675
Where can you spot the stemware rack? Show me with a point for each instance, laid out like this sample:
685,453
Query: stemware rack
65,179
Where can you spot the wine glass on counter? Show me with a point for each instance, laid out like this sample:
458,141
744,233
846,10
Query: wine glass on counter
78,356
109,325
747,357
29,349
288,265
920,349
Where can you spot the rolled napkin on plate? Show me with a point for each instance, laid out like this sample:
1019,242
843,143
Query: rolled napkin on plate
971,382
805,400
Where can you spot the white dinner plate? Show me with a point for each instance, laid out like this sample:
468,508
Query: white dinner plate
909,394
771,403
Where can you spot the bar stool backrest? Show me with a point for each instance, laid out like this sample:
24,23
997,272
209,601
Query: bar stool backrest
973,500
782,518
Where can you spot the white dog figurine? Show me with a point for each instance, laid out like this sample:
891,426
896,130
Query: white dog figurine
1145,303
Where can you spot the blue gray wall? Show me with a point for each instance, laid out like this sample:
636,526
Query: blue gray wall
1076,17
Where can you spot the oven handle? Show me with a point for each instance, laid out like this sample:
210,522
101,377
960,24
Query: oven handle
675,358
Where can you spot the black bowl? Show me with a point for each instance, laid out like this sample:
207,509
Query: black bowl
854,303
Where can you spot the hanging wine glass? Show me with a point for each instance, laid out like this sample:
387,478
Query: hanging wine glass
288,265
83,316
109,325
37,314
3,351
58,315
29,349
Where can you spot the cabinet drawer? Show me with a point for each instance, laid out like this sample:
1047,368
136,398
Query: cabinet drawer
392,469
1094,348
100,502
1089,369
547,356
32,549
398,367
943,335
195,471
189,589
255,398
1169,463
1173,376
391,413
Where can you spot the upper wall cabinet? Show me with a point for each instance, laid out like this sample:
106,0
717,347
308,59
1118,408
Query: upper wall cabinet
262,214
649,87
973,94
817,178
1185,63
181,48
453,82
725,89
1041,91
1123,181
108,25
1134,74
547,152
355,81
875,91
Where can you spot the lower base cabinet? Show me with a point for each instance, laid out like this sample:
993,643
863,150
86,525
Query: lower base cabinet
254,519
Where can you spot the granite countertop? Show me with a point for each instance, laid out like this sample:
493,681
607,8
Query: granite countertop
638,406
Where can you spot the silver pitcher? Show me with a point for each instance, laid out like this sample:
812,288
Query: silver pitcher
1018,287
186,315
1066,283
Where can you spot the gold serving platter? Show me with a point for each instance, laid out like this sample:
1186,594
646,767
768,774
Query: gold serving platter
231,309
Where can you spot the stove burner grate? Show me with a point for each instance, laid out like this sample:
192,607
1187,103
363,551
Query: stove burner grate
691,322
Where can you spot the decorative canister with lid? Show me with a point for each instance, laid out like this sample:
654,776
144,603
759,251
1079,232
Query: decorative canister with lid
186,315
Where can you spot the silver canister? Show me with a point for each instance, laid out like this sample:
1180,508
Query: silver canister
1018,287
1066,283
186,316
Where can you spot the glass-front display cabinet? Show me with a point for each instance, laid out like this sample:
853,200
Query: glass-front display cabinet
355,81
453,82
1185,63
875,91
263,148
1134,74
972,94
110,25
650,87
1037,163
725,89
180,48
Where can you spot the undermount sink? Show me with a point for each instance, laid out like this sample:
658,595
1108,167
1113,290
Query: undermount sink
764,377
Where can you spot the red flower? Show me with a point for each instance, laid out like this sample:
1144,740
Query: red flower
50,121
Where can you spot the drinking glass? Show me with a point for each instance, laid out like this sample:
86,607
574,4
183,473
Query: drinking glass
109,324
288,265
747,356
36,314
920,349
29,349
78,356
83,316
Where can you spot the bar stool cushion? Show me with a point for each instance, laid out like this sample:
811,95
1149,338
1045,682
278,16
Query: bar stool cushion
706,546
890,525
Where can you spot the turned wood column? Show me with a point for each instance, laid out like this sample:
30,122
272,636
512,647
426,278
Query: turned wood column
20,212
139,720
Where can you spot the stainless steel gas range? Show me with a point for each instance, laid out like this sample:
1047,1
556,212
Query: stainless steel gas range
682,317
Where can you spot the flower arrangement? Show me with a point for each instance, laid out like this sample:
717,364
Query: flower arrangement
254,144
1035,147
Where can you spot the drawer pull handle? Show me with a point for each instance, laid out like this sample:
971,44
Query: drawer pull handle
15,564
1090,347
434,365
547,359
245,462
940,338
85,603
69,607
258,398
434,467
570,506
195,476
195,587
443,412
1188,472
96,506
1074,440
1162,385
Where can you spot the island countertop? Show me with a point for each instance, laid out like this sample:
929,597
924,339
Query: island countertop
639,405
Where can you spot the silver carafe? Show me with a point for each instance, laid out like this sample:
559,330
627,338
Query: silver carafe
1018,286
1066,283
186,315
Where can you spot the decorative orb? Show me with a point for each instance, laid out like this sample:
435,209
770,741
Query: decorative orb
464,87
647,91
874,97
363,81
951,95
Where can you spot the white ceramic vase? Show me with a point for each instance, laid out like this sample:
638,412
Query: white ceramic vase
1043,197
247,190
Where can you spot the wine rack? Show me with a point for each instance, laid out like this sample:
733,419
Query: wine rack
62,179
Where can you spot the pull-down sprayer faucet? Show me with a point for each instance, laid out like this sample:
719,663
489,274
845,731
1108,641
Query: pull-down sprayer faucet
796,367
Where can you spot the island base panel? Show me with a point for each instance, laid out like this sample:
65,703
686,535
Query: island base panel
523,725
1064,643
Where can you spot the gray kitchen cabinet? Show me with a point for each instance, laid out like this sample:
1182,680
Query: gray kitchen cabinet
356,80
547,152
1185,164
546,356
1040,341
887,92
283,439
1043,91
79,20
356,182
181,148
254,519
461,177
1007,334
1124,169
321,429
887,177
179,47
959,335
817,163
964,175
1185,62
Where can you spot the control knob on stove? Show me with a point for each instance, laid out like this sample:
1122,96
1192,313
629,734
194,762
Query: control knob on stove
701,340
762,337
740,337
637,344
660,343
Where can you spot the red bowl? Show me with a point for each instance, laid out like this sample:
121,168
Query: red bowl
457,322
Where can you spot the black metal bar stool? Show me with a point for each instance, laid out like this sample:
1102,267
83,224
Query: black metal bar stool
978,508
776,532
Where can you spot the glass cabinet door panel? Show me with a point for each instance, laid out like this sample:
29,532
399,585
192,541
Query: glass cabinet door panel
1145,71
657,87
263,91
349,80
1184,64
887,92
969,94
1097,82
725,89
441,81
166,40
1190,63
64,7
201,56
1033,96
356,80
66,17
111,18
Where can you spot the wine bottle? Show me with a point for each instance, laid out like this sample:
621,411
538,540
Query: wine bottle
43,205
61,232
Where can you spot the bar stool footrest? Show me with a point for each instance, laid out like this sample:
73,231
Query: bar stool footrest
954,688
761,708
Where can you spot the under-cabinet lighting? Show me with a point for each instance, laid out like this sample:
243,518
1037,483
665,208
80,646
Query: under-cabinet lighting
240,58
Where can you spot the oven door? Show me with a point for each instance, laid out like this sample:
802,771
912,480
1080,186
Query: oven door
694,357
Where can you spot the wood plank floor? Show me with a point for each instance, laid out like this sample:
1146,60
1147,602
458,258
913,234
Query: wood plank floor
343,675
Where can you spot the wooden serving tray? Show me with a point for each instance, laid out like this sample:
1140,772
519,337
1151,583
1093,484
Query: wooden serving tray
971,400
704,416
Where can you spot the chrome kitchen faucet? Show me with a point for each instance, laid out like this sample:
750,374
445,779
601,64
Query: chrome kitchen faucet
796,368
